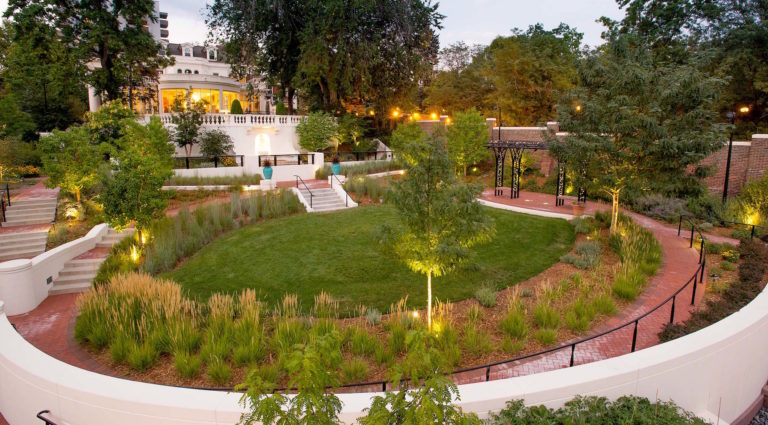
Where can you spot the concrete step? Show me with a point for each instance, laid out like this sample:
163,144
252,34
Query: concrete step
329,208
22,213
32,204
85,278
28,215
22,246
79,271
19,254
22,236
16,223
69,288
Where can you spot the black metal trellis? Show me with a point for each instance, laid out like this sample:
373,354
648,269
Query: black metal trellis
560,188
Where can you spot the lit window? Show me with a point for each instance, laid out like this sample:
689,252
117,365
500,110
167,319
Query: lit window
212,54
188,51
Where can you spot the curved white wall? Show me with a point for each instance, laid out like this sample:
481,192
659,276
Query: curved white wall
720,368
24,283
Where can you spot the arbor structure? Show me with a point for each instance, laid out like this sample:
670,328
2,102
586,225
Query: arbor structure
467,136
132,186
317,131
440,215
637,123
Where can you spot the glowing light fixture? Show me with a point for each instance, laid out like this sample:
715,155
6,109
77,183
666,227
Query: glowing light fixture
196,97
134,254
372,112
744,109
395,113
434,116
415,314
416,115
578,108
752,218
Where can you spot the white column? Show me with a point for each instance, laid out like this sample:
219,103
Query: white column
94,99
221,101
160,101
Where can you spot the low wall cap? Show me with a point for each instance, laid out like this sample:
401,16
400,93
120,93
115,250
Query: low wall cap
15,265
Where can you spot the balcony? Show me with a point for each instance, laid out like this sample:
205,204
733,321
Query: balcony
248,120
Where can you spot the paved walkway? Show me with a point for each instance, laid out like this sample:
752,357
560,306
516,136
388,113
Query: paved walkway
50,326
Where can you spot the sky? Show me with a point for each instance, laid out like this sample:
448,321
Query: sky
471,21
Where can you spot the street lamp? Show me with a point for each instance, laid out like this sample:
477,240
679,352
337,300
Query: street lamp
731,116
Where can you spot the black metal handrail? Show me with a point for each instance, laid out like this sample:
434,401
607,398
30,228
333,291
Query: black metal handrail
311,195
287,159
347,156
2,202
346,200
188,162
8,193
41,415
752,227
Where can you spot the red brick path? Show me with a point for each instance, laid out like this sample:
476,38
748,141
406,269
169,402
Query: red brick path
50,326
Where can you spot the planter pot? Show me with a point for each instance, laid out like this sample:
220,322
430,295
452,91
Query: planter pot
336,168
578,209
268,173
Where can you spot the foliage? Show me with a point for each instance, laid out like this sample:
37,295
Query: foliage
132,188
466,137
106,126
440,215
236,108
17,159
522,73
70,160
110,33
752,203
637,123
41,81
587,256
351,131
661,207
310,365
752,271
187,115
215,143
403,136
640,254
594,410
372,187
317,131
486,296
242,180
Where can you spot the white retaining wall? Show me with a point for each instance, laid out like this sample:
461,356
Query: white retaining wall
24,283
720,368
279,173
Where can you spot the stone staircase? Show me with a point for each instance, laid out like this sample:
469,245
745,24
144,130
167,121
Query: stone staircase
77,274
23,212
323,199
22,245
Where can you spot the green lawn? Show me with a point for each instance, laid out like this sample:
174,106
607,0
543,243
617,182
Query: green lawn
338,253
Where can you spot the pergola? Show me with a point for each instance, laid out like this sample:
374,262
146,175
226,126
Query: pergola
515,148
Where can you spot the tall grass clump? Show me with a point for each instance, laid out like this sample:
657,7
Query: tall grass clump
360,168
174,238
242,180
374,188
587,256
640,255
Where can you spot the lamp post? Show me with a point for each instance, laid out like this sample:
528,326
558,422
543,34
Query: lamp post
731,116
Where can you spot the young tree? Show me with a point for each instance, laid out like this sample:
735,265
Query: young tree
317,131
312,367
215,143
431,399
441,219
351,131
132,187
637,123
106,125
70,160
188,117
404,135
467,136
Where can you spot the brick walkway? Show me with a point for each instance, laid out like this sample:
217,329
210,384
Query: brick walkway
50,326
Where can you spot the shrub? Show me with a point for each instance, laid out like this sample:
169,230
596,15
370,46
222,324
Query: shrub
594,410
372,316
360,168
713,248
513,324
588,256
354,370
661,207
57,236
512,346
383,356
546,336
187,365
236,108
397,333
579,316
120,348
219,371
628,284
545,316
707,208
361,343
727,266
584,225
486,296
731,255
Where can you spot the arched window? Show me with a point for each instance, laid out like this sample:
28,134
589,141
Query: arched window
212,54
188,51
178,71
186,71
196,72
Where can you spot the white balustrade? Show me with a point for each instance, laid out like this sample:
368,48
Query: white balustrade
247,120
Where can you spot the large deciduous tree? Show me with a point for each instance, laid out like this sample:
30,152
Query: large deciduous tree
370,54
441,219
637,122
109,36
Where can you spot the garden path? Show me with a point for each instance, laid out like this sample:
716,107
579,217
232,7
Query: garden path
50,326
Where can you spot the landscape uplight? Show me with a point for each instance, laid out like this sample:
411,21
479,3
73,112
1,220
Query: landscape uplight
434,116
395,113
416,115
578,108
744,109
372,112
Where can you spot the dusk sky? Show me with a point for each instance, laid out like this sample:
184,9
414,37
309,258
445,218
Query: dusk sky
475,21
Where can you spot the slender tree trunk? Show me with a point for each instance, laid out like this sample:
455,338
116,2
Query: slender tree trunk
429,301
614,210
77,195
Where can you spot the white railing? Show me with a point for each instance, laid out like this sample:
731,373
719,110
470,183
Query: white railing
240,120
